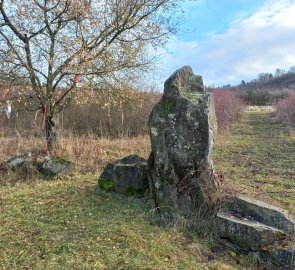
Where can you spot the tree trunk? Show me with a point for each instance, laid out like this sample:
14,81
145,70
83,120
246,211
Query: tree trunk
51,123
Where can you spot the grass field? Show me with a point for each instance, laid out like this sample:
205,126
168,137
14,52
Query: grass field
258,158
70,224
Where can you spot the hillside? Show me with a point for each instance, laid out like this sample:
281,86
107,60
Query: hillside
266,89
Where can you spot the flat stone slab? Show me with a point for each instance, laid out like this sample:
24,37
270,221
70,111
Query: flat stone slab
266,213
282,257
247,234
17,161
53,166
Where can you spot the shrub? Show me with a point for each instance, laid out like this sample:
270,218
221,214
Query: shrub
228,108
125,116
285,111
116,117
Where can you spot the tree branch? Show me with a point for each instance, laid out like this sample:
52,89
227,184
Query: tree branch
11,26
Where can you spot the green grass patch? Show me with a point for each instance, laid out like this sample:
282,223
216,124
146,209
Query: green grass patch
70,224
258,155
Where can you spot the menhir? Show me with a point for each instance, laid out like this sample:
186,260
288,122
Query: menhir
182,128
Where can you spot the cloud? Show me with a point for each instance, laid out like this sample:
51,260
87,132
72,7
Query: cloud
260,42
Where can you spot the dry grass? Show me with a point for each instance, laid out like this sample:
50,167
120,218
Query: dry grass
89,154
265,108
69,224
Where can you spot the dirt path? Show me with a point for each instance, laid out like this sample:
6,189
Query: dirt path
258,155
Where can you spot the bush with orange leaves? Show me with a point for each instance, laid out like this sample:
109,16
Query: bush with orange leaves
285,111
228,108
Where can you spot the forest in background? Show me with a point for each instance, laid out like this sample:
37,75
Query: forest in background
266,89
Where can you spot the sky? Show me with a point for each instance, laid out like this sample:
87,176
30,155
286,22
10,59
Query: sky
227,41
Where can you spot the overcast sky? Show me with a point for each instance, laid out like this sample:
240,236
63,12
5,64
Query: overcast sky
232,40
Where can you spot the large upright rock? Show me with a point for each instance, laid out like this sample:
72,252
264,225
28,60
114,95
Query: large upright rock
182,126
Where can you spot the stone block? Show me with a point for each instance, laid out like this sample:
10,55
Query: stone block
266,213
247,234
127,175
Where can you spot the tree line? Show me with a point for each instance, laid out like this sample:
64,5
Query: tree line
267,88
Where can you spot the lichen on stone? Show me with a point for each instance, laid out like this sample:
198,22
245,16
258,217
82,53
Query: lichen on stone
59,159
154,131
166,107
107,185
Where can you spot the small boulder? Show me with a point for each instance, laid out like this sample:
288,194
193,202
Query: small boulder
257,226
22,166
18,161
53,166
127,175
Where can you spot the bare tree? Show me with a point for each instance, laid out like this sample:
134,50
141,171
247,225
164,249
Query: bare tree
53,43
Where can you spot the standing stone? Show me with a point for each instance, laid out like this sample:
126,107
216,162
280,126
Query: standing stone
182,127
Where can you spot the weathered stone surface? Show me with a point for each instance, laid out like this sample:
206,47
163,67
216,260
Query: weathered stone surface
183,81
247,234
282,257
254,225
182,127
266,213
53,166
18,161
127,175
21,165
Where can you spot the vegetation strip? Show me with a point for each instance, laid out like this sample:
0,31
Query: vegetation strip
258,155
